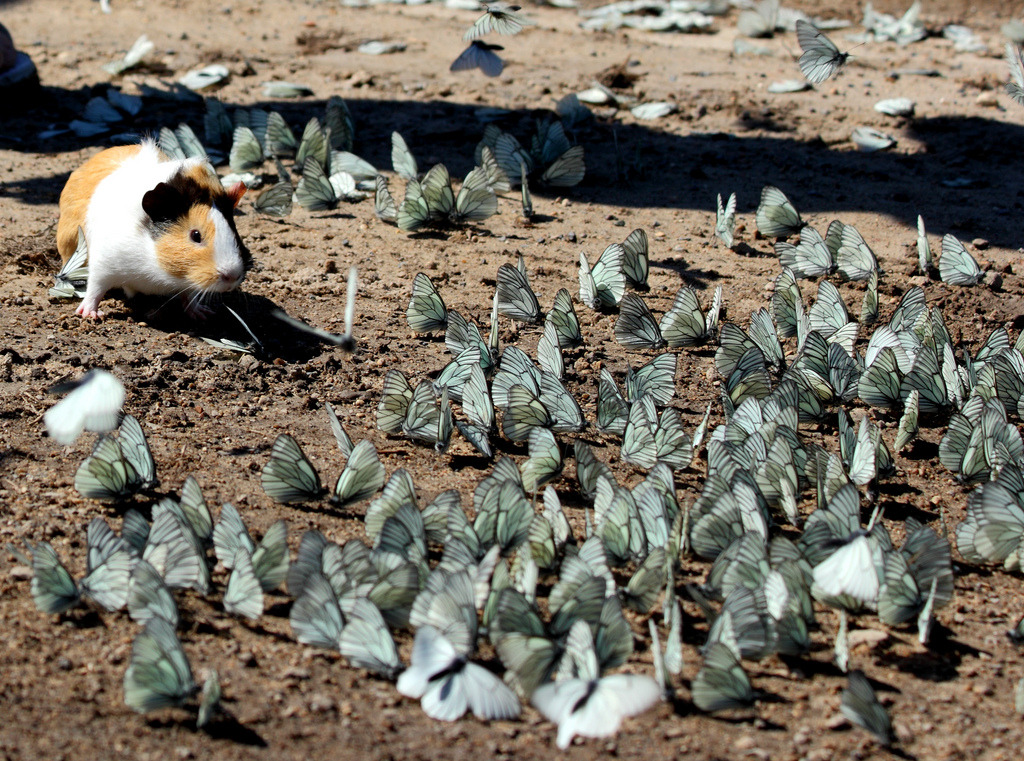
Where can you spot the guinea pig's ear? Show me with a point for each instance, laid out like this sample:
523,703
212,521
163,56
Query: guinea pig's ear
236,191
164,203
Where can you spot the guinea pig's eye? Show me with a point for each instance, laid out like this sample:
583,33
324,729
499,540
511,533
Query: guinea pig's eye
196,236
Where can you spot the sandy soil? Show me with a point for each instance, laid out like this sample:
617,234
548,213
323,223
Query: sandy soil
216,416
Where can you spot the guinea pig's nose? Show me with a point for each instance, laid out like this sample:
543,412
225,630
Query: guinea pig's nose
229,278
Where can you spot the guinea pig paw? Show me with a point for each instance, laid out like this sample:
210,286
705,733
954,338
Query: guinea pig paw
198,312
89,311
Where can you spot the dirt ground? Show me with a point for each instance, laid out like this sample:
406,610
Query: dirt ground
215,415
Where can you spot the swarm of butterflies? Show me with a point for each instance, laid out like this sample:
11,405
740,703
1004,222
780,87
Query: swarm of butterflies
457,579
331,174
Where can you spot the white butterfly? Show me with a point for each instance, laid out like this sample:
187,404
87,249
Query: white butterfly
821,58
448,684
592,706
92,405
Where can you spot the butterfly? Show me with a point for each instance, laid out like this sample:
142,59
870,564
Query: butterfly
413,412
636,327
587,704
70,280
363,475
636,261
605,284
289,476
475,200
149,597
402,159
859,704
246,151
93,404
317,191
721,682
515,296
1015,89
562,317
448,684
544,462
956,265
117,468
499,18
684,324
776,217
339,124
383,202
821,58
426,311
275,201
315,144
480,55
725,220
158,673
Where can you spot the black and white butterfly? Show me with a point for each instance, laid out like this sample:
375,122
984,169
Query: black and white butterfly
71,280
480,55
158,674
603,285
1015,88
515,296
725,220
289,476
587,704
956,265
426,312
860,705
448,684
500,18
821,58
776,217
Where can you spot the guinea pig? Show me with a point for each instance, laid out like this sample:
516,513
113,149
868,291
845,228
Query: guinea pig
152,225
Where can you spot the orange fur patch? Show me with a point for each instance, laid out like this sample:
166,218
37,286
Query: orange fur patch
181,257
74,199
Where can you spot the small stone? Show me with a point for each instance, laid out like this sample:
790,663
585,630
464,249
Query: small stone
744,743
988,99
980,244
903,733
837,721
20,573
868,637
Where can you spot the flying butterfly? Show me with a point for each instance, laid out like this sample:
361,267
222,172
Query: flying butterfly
480,55
448,684
93,405
821,58
499,18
